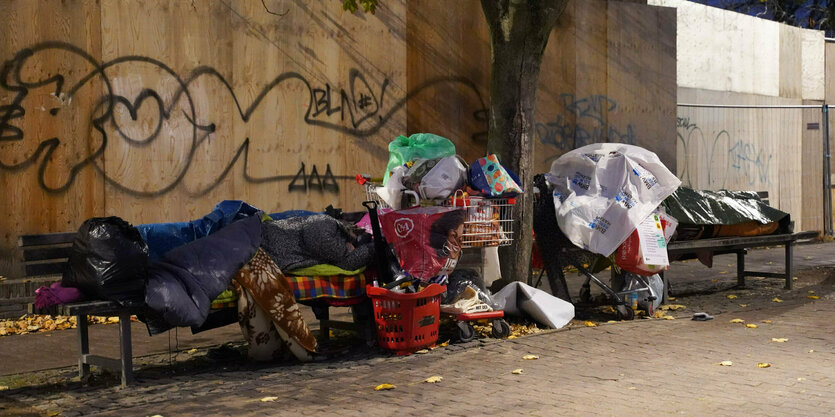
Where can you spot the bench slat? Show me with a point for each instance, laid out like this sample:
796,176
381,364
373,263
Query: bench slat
43,254
45,239
52,268
736,242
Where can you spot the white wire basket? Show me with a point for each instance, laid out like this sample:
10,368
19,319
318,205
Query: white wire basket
489,221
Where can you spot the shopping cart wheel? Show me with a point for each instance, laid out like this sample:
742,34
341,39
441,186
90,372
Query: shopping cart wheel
466,332
624,312
500,329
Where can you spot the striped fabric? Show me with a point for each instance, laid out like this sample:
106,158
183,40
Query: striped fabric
335,286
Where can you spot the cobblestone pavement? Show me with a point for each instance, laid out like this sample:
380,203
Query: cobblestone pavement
658,367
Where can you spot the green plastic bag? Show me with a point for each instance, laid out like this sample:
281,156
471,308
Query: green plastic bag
419,145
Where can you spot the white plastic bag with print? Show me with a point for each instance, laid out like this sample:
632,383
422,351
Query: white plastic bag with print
603,190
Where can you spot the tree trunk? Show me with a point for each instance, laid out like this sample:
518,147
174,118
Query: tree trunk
519,31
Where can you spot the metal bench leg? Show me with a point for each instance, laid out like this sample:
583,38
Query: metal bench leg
83,346
740,268
789,266
125,348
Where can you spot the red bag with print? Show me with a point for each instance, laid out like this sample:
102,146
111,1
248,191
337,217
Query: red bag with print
427,240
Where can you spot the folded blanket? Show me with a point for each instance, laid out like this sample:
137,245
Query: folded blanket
56,294
334,286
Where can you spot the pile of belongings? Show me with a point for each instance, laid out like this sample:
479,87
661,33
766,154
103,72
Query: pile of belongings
177,271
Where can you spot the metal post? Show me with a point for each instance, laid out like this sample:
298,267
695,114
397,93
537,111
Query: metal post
827,174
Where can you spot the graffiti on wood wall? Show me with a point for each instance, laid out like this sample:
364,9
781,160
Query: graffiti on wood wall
175,108
583,121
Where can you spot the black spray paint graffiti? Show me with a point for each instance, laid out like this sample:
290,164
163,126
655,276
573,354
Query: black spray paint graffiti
587,125
178,114
727,159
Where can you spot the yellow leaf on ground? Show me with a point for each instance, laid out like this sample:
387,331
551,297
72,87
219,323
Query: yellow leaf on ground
811,292
632,388
445,344
434,379
743,305
813,297
268,399
732,296
590,324
766,321
192,351
723,272
763,365
530,357
779,339
511,337
777,300
4,387
737,321
673,307
751,326
726,363
671,298
714,280
811,350
422,351
384,387
668,317
517,371
607,309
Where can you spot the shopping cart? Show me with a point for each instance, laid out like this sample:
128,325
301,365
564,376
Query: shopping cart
489,221
558,253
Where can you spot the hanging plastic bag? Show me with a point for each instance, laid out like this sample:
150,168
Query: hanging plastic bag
649,289
602,191
427,240
446,176
420,145
108,261
492,179
392,192
630,255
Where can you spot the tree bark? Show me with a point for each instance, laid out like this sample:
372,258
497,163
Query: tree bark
519,32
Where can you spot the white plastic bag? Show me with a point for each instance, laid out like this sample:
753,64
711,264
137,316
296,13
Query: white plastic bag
522,299
393,190
448,175
603,190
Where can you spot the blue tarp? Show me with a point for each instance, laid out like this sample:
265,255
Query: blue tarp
163,237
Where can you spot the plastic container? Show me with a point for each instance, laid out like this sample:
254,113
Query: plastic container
406,322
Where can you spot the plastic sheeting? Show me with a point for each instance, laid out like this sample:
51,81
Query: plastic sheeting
182,285
702,207
163,237
603,191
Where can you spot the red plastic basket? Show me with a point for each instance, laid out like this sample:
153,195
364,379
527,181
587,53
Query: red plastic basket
406,322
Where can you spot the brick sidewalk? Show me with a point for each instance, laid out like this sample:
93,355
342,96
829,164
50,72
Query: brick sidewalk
658,367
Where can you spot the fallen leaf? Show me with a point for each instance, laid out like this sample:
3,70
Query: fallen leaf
268,399
811,350
766,321
714,280
632,388
801,379
668,317
737,321
517,371
607,309
779,339
751,326
731,296
743,305
434,379
763,365
530,357
445,344
4,387
723,272
590,324
53,413
511,337
612,321
422,351
671,298
811,292
726,363
192,351
770,263
673,307
813,297
384,387
777,300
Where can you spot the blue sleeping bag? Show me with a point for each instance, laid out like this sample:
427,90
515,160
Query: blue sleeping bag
182,285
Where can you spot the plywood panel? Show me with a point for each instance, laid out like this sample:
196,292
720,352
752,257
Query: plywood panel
47,182
812,168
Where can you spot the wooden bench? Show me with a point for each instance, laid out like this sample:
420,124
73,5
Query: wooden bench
46,255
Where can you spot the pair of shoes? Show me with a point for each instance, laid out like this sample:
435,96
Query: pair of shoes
702,317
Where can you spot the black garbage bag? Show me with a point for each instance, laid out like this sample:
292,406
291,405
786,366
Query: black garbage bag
182,285
109,261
